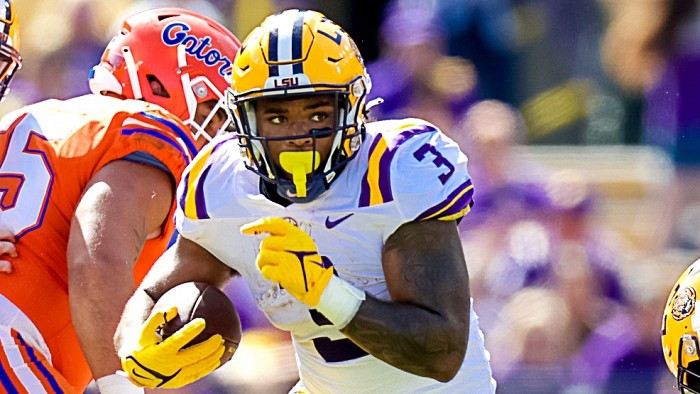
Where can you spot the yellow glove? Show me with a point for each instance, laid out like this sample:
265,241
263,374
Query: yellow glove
154,362
289,256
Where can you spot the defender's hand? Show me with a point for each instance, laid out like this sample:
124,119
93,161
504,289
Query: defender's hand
7,248
289,256
154,362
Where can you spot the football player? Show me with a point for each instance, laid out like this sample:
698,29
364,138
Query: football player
87,190
345,230
10,62
679,330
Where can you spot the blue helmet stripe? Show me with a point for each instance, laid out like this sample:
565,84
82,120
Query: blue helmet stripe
297,37
274,36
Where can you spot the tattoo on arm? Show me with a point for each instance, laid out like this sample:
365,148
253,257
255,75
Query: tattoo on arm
139,240
424,328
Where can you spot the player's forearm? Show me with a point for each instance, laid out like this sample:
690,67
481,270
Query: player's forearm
424,328
185,261
135,313
410,338
123,203
104,244
97,297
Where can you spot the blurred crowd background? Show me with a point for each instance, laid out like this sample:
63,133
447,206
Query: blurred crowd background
581,120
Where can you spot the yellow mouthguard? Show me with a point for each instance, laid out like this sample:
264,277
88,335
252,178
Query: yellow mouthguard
299,164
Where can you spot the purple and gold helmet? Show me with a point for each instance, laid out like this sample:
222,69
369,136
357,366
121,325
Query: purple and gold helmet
299,53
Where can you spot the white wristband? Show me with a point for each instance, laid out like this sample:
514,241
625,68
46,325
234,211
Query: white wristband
340,301
117,384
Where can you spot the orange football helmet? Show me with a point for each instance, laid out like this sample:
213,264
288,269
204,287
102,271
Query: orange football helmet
171,57
10,60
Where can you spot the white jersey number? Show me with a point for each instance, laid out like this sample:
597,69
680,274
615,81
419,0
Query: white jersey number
25,177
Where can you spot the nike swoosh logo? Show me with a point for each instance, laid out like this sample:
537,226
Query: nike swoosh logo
332,223
133,372
156,375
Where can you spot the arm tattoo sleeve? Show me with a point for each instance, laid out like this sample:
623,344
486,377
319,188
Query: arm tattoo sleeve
424,328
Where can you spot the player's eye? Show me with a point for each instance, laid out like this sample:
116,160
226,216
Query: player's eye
277,119
319,116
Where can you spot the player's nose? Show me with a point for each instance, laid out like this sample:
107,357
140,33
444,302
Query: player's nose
302,133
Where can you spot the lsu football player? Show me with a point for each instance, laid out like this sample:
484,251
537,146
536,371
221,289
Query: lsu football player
679,330
87,189
345,230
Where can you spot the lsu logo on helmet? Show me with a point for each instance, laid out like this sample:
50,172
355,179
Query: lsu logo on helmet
683,303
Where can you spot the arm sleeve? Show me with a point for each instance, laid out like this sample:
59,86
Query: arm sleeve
152,132
147,159
208,176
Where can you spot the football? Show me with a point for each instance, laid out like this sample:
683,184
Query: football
199,299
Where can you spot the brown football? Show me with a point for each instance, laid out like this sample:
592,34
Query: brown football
199,299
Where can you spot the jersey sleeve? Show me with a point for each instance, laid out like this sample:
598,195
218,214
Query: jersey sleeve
428,174
203,182
153,134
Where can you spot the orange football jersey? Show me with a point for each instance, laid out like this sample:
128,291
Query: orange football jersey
49,151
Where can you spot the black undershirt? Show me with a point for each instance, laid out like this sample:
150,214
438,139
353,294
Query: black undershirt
269,190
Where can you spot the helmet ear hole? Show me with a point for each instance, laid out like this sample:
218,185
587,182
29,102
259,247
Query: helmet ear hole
157,87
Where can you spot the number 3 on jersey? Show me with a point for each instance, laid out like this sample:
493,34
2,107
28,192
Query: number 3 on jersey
25,177
438,160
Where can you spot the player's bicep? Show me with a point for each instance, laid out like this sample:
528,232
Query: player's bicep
122,204
424,265
185,261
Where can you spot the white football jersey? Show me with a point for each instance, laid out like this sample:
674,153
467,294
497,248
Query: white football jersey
405,170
